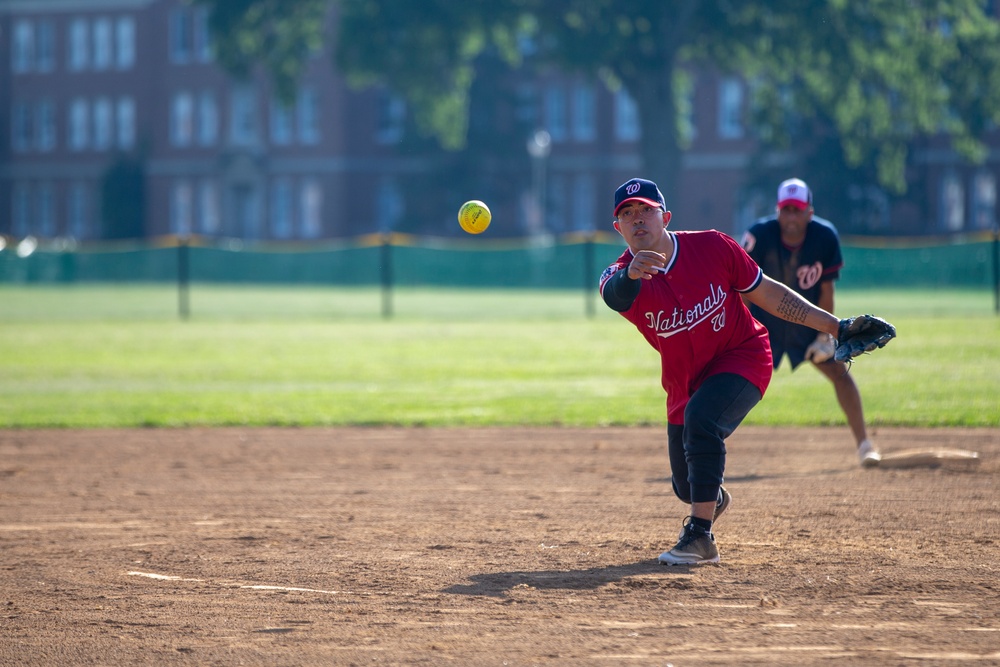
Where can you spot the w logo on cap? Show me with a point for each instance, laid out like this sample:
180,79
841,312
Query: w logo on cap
639,189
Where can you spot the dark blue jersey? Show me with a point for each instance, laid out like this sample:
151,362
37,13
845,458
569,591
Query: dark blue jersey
803,268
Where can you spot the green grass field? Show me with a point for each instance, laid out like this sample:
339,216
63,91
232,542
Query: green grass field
90,356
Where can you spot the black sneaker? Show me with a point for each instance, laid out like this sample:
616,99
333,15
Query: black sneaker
695,547
721,505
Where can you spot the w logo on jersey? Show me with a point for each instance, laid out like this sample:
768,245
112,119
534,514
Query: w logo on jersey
809,275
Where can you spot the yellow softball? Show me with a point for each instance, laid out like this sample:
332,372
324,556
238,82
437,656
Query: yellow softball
474,216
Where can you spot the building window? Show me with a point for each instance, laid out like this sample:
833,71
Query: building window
685,112
45,51
281,122
102,44
201,35
46,211
583,210
21,210
308,109
46,139
730,108
984,200
390,116
125,41
78,48
311,208
78,222
281,208
584,113
182,119
555,113
126,122
208,119
180,208
79,119
180,36
102,123
389,204
22,47
208,208
243,126
626,117
21,127
952,213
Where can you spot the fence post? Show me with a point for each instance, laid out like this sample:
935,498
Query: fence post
588,274
996,269
183,278
385,275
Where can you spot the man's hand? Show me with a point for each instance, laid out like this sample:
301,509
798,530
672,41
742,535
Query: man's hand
646,264
821,349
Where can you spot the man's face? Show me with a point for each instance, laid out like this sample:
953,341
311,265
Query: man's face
793,221
641,225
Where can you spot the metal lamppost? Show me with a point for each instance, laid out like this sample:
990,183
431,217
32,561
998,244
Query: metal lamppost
539,147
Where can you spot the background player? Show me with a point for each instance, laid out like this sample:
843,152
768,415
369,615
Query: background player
802,251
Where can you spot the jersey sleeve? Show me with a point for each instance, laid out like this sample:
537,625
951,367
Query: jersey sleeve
746,275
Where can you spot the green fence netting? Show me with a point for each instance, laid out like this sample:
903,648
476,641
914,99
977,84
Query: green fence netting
552,263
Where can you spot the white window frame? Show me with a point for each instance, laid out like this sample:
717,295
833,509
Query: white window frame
208,118
126,125
22,46
209,220
182,119
627,123
103,34
730,120
125,43
45,46
180,36
103,123
555,113
77,210
79,124
21,126
181,207
78,53
310,208
45,139
46,207
281,122
20,209
584,113
243,125
308,109
390,116
281,208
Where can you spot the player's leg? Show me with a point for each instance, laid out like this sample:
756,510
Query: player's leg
849,398
712,414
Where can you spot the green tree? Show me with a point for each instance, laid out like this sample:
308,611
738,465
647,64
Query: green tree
875,74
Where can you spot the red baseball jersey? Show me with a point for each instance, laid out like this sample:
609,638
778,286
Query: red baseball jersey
694,317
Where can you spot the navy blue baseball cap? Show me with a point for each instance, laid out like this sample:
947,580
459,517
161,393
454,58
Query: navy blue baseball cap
639,189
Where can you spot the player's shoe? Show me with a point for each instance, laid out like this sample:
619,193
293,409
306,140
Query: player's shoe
868,455
694,548
721,505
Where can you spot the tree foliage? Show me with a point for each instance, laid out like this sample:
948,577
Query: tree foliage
876,75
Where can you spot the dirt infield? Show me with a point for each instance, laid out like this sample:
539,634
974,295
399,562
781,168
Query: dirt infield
487,547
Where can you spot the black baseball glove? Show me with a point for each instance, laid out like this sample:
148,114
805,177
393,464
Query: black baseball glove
861,334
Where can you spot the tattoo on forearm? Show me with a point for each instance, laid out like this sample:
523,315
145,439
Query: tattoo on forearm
792,309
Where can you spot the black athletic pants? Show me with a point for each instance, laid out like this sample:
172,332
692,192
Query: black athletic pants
698,448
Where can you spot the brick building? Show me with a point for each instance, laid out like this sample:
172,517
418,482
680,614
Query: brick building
91,85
